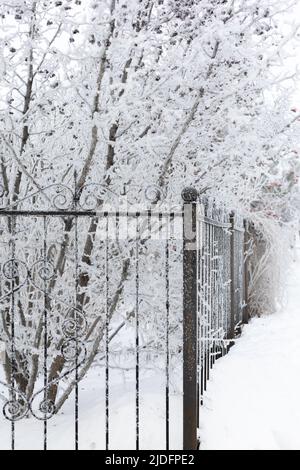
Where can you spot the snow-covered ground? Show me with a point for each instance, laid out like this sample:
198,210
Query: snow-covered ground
122,424
252,401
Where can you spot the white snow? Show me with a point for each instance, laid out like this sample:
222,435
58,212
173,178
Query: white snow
122,424
252,400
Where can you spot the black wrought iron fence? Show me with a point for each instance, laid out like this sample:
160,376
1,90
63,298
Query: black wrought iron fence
86,289
214,302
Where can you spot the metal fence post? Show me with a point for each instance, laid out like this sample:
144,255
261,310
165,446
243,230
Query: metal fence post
246,273
190,401
232,277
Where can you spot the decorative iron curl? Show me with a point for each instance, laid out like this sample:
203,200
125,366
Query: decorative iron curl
91,196
70,349
42,270
17,408
154,194
73,349
64,197
12,271
47,408
74,325
46,269
13,410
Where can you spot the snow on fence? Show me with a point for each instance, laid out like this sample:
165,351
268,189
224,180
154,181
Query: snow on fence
106,303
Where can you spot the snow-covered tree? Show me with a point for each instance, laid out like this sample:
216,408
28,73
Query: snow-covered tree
131,94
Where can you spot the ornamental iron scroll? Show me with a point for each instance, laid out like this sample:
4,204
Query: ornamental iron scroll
17,406
73,350
88,197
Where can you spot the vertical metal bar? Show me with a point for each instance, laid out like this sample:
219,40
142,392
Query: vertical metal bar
205,316
209,300
189,196
238,273
12,323
232,278
45,330
212,300
241,276
201,310
199,248
214,296
137,338
76,338
228,280
221,281
224,289
76,411
199,356
246,273
207,336
106,338
218,291
167,271
211,294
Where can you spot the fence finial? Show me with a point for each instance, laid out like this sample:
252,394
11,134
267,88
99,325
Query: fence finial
189,194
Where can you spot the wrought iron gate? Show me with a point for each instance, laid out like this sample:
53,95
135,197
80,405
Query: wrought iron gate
77,276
